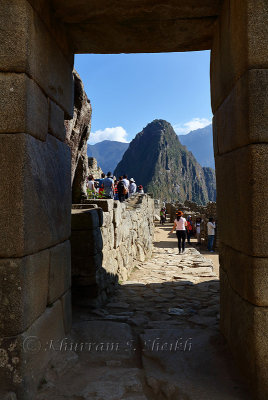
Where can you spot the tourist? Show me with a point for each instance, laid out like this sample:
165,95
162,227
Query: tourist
126,183
132,187
121,189
198,223
101,187
140,189
189,228
211,225
180,226
162,216
91,186
115,189
108,186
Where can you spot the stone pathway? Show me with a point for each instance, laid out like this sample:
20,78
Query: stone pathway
157,338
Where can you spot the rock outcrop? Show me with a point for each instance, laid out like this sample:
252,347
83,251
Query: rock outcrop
93,168
77,133
165,168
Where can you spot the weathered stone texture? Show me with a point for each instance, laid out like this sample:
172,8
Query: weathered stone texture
23,106
77,133
245,326
239,42
103,255
242,198
23,287
242,118
25,357
139,26
35,199
56,121
35,52
59,271
247,275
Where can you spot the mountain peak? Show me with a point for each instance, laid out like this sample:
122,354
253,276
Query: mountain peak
158,161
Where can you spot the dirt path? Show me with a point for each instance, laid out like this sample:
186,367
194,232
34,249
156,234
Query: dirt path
156,339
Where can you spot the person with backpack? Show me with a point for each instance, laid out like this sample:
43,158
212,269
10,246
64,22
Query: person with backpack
121,189
180,226
126,183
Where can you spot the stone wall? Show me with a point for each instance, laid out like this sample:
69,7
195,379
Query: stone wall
106,242
36,95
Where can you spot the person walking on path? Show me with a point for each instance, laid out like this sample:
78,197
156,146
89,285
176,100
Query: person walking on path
189,228
132,187
198,223
108,185
121,189
211,226
180,226
162,216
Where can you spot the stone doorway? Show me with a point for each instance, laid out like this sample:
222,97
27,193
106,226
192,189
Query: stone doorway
38,42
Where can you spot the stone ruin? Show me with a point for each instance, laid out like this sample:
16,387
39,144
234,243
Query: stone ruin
108,238
38,41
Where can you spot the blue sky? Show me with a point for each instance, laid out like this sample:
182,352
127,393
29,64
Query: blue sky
127,91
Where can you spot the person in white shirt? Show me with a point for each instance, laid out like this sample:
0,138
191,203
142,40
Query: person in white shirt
211,226
132,187
180,226
126,183
198,223
91,185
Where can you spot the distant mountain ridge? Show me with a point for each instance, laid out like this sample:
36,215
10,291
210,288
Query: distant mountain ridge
158,161
108,153
200,143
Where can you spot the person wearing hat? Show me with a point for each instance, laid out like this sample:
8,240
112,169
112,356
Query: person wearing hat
132,187
140,189
180,226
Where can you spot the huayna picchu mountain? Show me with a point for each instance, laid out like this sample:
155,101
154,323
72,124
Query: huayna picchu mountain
158,161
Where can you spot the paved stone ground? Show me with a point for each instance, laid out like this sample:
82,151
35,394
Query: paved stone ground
157,338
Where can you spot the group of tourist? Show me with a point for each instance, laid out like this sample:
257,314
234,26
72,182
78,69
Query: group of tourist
111,188
185,228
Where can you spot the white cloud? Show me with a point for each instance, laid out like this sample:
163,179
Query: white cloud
195,123
118,133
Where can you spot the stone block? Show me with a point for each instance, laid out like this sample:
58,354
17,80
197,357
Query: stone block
29,47
247,275
85,220
86,243
84,265
56,121
239,44
35,209
59,271
66,302
23,287
248,98
26,356
105,204
23,106
245,327
242,183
